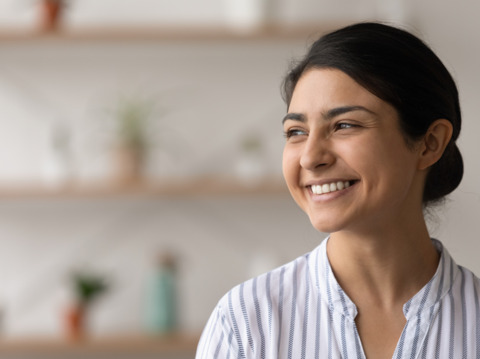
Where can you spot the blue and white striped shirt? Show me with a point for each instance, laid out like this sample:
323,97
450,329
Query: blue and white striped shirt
300,311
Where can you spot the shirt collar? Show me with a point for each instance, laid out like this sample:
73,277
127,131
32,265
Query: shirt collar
337,299
437,287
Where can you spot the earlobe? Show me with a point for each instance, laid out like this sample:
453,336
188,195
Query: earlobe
434,142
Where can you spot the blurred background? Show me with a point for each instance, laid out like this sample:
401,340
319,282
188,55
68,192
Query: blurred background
140,160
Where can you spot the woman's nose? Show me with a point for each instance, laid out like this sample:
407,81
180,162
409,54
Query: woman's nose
316,154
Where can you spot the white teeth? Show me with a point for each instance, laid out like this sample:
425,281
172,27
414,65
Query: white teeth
330,187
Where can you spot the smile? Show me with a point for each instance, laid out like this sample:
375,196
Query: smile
330,187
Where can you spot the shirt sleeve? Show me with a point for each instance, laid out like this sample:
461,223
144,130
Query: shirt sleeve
218,338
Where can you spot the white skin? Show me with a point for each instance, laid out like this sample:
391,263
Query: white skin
379,247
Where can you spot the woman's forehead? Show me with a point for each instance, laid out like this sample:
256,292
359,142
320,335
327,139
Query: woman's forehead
326,89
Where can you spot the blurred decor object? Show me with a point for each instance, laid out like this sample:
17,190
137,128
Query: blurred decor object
395,11
161,310
58,169
246,16
132,117
250,167
51,12
86,288
75,322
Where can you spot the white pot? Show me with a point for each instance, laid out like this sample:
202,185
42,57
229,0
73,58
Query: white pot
394,11
246,15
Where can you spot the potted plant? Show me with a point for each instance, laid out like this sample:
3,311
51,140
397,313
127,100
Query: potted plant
133,130
86,288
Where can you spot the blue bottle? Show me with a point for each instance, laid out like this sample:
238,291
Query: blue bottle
161,311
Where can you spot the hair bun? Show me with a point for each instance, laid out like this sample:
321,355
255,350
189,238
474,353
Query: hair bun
445,175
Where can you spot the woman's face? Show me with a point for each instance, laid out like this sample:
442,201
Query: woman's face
346,162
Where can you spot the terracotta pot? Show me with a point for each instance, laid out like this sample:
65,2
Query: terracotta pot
75,320
128,165
51,14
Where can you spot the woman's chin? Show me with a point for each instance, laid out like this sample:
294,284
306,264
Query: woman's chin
324,225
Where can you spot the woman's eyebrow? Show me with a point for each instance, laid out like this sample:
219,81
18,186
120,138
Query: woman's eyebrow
295,117
337,111
330,114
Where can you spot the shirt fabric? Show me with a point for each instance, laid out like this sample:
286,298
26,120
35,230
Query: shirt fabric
300,311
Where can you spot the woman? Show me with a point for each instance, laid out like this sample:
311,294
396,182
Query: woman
373,116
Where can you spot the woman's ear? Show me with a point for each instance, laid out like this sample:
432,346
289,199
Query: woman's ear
434,143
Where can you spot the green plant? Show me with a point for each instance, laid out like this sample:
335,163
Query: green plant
251,144
88,286
133,117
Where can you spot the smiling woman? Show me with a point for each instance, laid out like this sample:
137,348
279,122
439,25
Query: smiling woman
372,120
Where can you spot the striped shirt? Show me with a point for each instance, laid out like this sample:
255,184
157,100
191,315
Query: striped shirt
300,311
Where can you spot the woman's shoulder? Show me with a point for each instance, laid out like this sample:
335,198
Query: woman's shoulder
265,290
250,316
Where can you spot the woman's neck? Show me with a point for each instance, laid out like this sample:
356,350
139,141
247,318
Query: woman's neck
386,268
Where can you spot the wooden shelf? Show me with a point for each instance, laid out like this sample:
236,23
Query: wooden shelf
135,344
271,32
171,188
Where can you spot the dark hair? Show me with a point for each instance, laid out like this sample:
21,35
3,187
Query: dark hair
402,70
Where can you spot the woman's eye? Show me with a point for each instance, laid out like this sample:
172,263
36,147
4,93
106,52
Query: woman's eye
294,132
344,125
